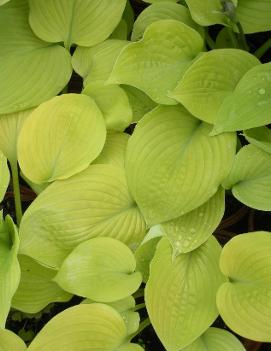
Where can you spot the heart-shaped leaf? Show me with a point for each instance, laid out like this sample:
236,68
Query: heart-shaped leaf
10,341
67,127
244,301
169,159
102,269
207,12
157,62
95,202
180,293
78,22
260,137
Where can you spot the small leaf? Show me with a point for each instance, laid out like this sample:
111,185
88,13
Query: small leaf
180,293
259,137
244,301
250,178
4,176
67,127
207,12
157,62
10,341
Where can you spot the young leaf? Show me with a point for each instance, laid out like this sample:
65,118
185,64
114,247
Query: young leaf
191,230
180,293
101,269
207,83
244,301
259,137
215,339
157,62
250,178
10,341
95,202
67,127
159,11
36,289
4,176
82,327
84,23
32,71
9,266
169,160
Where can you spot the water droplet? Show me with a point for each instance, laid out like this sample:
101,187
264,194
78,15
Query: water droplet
261,91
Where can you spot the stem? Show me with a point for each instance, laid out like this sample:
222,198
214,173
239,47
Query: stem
209,40
242,36
235,218
251,220
139,293
140,306
144,324
262,49
16,191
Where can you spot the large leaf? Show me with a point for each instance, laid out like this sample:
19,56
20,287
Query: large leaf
244,301
36,289
260,137
159,11
60,138
93,203
173,165
250,178
191,230
249,104
207,83
101,269
9,266
180,293
10,341
215,339
85,23
4,175
114,104
32,71
82,327
157,62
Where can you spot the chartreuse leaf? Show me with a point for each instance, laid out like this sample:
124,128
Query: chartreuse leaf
75,22
83,327
36,289
157,62
180,293
169,159
260,137
206,83
244,301
32,71
249,104
102,269
130,347
250,178
215,339
189,231
129,16
118,116
4,176
121,31
95,202
114,149
66,127
2,2
96,63
9,265
10,341
159,11
207,12
157,1
223,39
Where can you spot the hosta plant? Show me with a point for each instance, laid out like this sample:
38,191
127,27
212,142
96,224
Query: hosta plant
135,175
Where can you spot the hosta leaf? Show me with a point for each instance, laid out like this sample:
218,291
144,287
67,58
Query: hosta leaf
78,22
159,11
121,31
244,301
207,12
215,339
130,347
189,231
157,1
82,327
249,105
250,178
169,160
129,16
95,64
4,175
45,291
67,127
10,341
113,103
93,203
260,137
2,2
180,293
157,62
102,269
206,83
32,71
224,40
114,149
9,266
